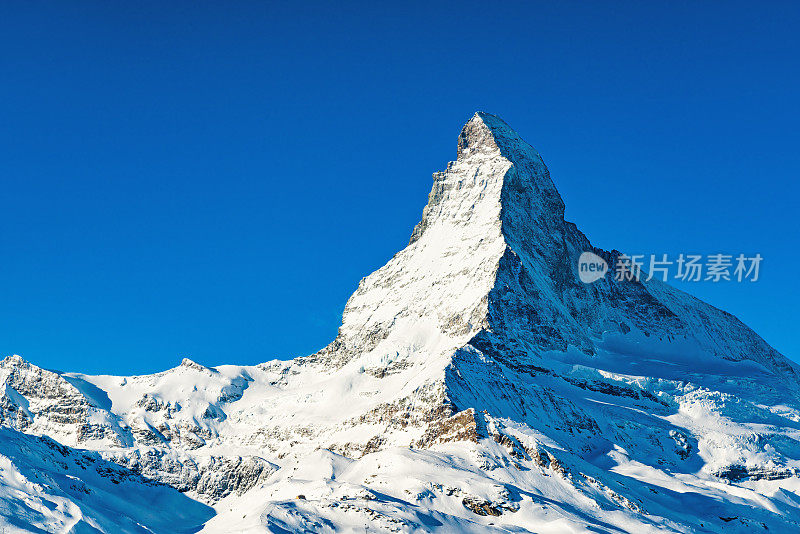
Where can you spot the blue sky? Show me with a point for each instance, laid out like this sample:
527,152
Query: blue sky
213,180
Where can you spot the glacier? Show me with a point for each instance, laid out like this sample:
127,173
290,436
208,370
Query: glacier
475,385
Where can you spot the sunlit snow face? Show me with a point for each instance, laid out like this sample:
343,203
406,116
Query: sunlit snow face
591,267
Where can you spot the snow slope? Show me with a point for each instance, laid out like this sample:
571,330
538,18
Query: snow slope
475,385
47,487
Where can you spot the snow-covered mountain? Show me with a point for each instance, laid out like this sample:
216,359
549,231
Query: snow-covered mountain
475,385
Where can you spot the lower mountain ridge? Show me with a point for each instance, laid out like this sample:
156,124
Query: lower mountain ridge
475,385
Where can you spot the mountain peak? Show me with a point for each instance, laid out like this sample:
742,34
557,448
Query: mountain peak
187,363
486,134
493,253
14,360
496,195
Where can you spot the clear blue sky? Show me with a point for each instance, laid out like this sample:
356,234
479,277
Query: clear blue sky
213,180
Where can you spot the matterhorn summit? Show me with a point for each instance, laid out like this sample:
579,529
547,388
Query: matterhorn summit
476,384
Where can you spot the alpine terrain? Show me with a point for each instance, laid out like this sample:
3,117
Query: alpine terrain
475,385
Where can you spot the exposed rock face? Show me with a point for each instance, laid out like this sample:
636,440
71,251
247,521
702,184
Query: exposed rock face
154,441
43,402
210,477
48,487
475,382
